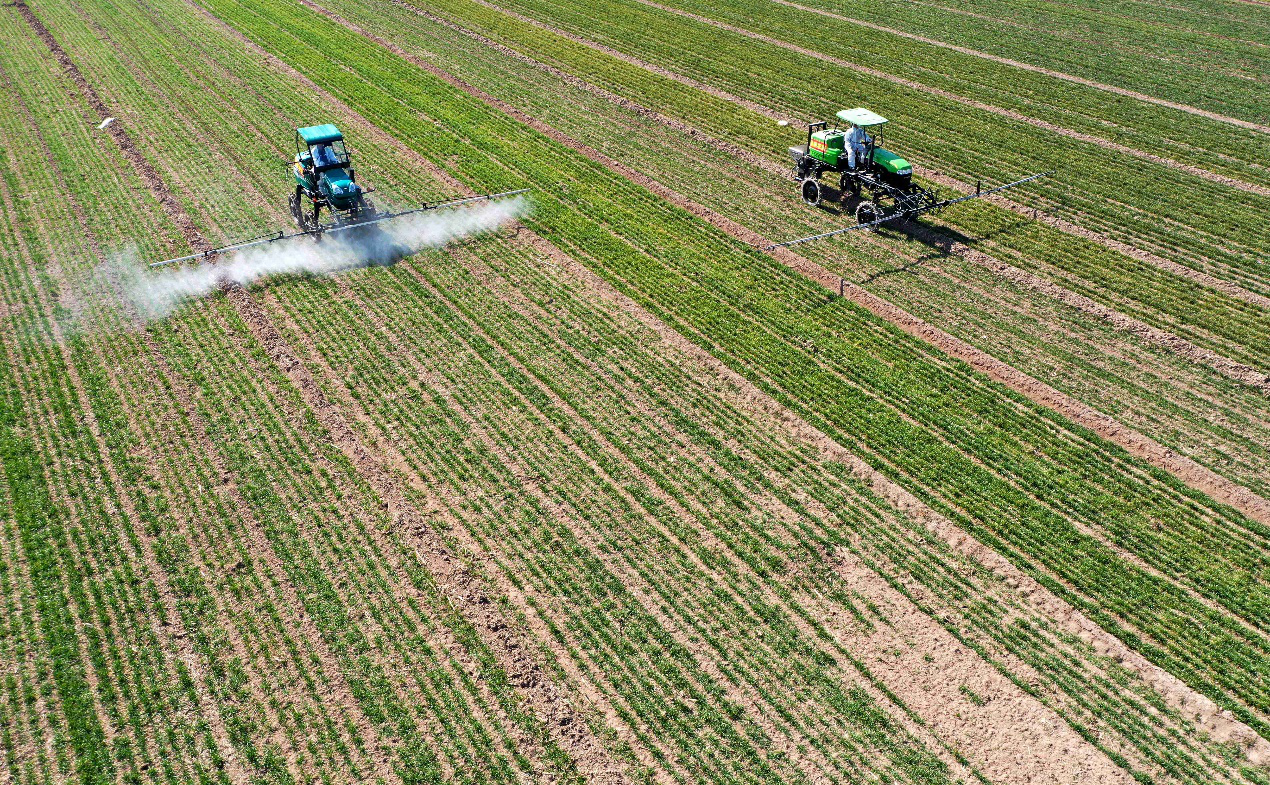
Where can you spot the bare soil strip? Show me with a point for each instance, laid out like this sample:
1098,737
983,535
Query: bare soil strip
1204,279
1011,735
638,63
997,110
1185,469
767,165
1237,371
753,159
1029,67
1014,738
558,711
342,693
1205,712
460,585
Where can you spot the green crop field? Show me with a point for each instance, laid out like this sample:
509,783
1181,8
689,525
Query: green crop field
593,484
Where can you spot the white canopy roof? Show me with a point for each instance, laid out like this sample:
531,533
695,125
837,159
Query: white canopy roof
860,116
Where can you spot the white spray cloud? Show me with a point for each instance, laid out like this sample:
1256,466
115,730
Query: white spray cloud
155,293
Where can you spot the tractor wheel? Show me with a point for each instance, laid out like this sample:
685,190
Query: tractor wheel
848,185
868,212
811,191
297,212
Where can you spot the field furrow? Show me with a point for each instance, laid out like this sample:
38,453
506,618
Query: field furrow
599,484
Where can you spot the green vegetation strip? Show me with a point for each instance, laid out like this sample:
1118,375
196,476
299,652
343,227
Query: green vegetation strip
839,369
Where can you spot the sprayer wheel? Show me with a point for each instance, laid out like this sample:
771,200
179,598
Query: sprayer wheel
810,190
868,212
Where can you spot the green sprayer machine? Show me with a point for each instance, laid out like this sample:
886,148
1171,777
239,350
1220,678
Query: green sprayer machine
324,178
881,180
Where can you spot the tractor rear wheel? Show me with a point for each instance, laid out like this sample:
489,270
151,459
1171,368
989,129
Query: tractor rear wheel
297,212
867,213
810,190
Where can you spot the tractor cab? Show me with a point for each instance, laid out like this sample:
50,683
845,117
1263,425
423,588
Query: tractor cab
323,167
324,173
872,155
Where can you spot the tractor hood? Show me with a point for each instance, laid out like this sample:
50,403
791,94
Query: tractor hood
891,162
338,187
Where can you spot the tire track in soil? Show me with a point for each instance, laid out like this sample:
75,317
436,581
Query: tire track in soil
1099,141
1016,750
1237,371
440,637
1208,716
1205,279
468,595
1150,99
1184,469
185,397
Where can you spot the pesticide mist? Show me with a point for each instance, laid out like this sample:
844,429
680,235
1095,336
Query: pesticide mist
154,293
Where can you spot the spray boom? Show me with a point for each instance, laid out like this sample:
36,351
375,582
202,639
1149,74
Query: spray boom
323,230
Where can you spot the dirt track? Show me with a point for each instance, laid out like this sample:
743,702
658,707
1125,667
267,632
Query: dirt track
1000,112
460,585
1037,69
1074,762
1183,468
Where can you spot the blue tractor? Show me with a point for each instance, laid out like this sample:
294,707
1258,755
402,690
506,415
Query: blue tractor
324,173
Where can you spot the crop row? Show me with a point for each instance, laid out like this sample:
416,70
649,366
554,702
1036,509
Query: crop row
1171,212
1211,419
317,307
1135,286
1199,57
842,379
438,692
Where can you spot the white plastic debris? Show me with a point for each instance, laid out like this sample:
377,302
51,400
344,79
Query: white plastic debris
106,122
782,122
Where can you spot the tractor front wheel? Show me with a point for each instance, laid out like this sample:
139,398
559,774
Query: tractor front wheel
810,190
867,213
848,185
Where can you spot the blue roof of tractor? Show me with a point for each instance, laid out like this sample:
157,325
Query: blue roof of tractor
317,134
